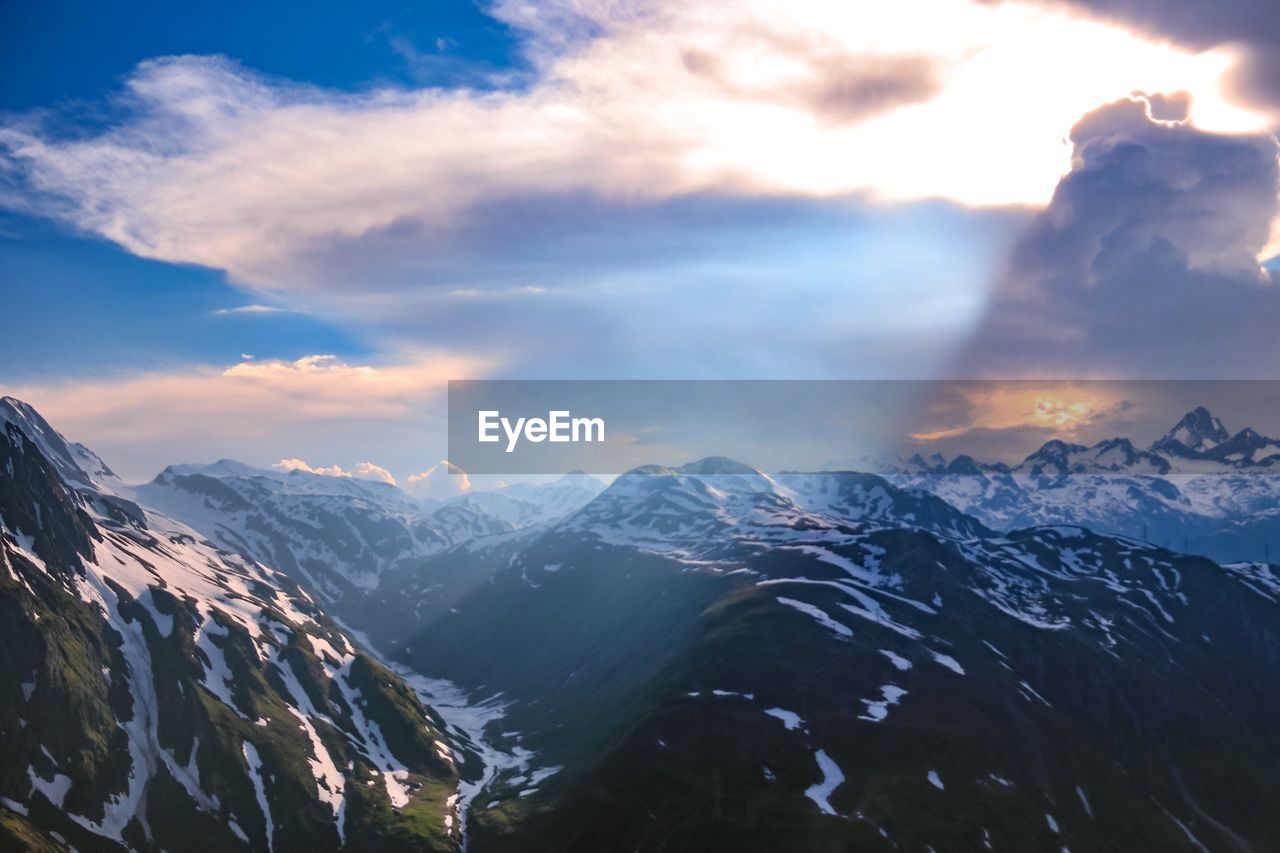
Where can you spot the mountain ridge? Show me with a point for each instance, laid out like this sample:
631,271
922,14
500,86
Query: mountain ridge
155,685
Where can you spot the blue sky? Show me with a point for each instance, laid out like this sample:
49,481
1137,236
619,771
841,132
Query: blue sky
83,49
273,230
90,306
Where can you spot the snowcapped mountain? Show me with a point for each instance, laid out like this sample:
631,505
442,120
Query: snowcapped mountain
1198,437
1197,432
340,535
717,656
695,657
75,463
160,692
1198,487
714,507
524,504
335,534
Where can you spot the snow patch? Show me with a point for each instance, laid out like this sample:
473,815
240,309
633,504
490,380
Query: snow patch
790,719
831,779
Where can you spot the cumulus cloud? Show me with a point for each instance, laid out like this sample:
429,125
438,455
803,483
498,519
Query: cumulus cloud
1145,262
441,481
213,164
370,471
312,407
362,471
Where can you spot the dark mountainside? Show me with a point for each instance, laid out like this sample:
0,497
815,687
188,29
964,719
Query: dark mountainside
815,681
162,694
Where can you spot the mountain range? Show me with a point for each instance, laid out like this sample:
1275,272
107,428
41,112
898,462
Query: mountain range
700,657
1198,488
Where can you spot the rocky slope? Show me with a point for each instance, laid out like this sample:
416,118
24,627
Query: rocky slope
159,692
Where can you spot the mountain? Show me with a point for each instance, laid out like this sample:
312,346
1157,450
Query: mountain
1057,459
160,692
698,657
1198,487
709,657
1197,432
525,504
338,535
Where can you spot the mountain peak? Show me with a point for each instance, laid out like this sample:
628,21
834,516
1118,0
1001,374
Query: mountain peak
716,465
1198,431
581,480
1055,449
75,462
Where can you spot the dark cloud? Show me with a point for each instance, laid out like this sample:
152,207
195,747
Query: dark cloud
836,86
855,88
1145,261
1251,25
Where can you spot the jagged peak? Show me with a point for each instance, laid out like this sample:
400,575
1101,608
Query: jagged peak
75,463
963,464
1055,448
1198,430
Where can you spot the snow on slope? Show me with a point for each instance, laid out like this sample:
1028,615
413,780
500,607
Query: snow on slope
178,614
339,534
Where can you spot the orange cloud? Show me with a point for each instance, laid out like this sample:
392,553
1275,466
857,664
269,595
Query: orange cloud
316,406
1062,408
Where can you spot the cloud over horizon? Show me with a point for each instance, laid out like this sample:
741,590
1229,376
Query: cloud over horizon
259,412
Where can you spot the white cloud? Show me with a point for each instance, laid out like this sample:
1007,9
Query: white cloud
362,471
251,310
370,471
220,167
441,481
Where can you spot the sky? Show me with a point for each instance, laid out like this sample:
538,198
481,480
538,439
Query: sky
272,231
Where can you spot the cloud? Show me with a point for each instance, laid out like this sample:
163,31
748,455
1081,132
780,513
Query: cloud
575,285
1145,262
319,406
1006,420
251,310
441,481
362,471
370,471
1249,26
213,164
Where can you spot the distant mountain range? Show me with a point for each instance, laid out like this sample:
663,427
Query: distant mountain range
1198,488
340,534
704,657
1197,444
